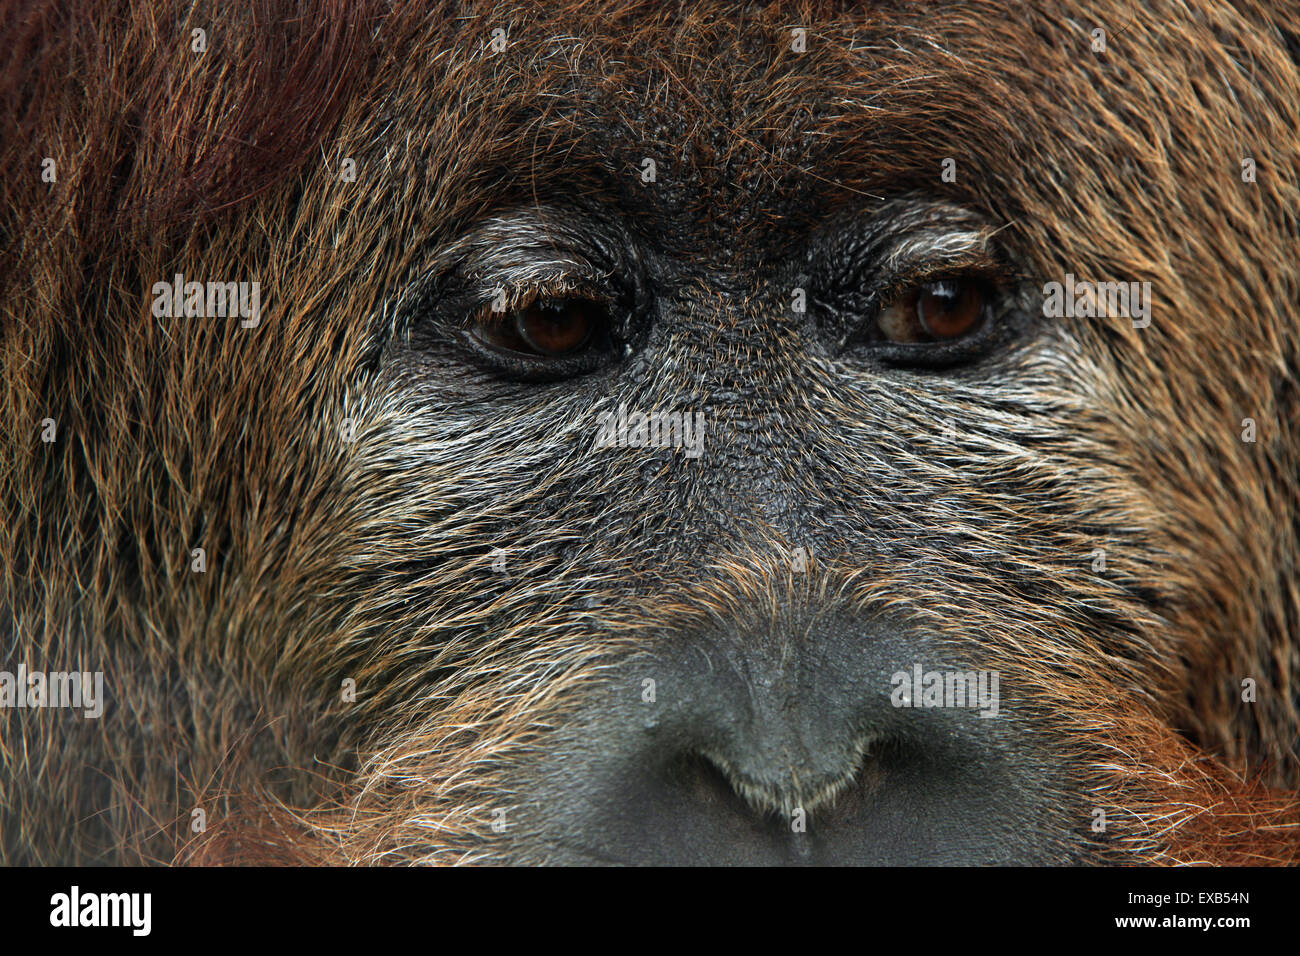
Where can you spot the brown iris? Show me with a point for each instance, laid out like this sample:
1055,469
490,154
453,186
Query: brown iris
935,312
550,328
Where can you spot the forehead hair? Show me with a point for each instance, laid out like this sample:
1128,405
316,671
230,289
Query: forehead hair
757,117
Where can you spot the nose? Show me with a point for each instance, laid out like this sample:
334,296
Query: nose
789,745
786,724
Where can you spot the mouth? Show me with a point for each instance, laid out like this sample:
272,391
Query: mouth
940,797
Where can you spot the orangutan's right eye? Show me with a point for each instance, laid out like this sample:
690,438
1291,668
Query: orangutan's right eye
545,327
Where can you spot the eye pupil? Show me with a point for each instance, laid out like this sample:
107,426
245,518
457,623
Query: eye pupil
949,308
556,326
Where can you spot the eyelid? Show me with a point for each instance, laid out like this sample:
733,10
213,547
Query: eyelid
940,248
918,259
538,252
908,248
